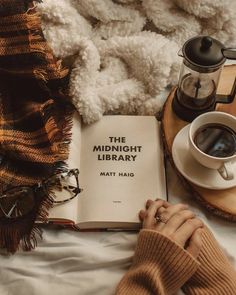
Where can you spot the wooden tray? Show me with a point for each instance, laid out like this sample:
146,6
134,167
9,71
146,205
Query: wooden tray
219,202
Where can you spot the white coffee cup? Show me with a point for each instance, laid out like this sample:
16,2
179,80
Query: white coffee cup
223,165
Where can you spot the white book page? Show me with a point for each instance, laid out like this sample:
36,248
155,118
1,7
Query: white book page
117,183
69,210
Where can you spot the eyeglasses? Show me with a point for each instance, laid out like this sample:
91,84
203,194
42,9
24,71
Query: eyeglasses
21,200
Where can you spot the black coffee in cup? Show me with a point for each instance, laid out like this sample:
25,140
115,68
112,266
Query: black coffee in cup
216,140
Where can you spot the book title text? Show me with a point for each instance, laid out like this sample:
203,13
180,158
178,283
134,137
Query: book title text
117,150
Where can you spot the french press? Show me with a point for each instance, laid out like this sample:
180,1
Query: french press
203,60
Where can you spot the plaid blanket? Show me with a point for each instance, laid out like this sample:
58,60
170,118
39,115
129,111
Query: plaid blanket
35,116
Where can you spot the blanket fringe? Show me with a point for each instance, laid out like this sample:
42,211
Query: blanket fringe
23,233
41,74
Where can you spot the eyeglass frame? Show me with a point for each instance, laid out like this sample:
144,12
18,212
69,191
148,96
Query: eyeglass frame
43,185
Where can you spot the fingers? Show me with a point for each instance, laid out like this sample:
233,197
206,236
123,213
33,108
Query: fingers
195,243
165,203
143,213
172,210
177,219
161,210
149,219
176,222
167,209
185,231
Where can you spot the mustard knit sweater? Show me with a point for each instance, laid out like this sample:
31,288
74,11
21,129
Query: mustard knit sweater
161,267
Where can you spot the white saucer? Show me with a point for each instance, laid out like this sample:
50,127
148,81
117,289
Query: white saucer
194,171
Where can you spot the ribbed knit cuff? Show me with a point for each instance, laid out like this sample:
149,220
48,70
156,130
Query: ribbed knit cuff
215,274
164,258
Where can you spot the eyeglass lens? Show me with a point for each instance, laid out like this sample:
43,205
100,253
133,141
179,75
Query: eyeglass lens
16,202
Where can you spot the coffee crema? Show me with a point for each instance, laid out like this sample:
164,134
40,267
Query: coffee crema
216,140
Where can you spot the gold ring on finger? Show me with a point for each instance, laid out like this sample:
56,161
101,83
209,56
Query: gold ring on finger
159,219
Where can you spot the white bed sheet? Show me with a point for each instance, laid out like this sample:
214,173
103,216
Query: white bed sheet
71,263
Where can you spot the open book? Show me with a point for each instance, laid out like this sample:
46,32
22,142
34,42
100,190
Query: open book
121,165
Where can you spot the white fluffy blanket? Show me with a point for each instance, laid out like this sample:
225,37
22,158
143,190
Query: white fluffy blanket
123,53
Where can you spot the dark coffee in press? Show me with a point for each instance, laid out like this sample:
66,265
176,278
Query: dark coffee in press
216,140
197,93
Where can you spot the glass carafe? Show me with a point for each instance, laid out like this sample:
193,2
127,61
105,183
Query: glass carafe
203,59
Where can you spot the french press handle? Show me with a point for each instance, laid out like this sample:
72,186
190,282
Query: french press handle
229,53
222,98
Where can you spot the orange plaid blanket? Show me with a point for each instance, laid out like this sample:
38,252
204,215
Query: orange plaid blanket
35,120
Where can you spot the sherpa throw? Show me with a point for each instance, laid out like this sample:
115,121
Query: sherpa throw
35,116
123,53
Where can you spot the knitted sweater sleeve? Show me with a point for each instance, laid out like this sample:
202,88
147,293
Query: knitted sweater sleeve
215,275
160,266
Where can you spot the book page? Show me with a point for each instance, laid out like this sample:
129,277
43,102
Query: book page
68,210
121,167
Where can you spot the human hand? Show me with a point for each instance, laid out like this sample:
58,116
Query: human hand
175,222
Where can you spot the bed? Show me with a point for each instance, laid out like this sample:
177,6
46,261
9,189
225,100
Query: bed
71,262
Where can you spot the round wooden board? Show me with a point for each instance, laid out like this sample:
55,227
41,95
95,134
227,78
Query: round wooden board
219,202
